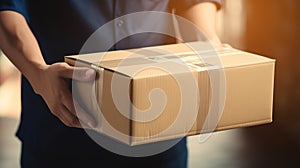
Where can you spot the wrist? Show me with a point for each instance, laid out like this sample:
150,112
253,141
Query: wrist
36,75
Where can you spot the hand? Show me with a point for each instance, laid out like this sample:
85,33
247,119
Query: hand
52,83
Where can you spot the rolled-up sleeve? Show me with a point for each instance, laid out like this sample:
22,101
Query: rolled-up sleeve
185,4
14,5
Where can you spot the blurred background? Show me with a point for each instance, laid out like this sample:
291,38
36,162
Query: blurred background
270,28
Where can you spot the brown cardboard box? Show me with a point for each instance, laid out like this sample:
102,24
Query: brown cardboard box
164,92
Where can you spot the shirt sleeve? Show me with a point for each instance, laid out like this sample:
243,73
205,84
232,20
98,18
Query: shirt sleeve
185,4
14,5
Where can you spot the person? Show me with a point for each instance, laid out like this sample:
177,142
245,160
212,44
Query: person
36,35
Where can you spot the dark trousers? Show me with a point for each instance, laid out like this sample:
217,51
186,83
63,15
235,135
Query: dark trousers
33,159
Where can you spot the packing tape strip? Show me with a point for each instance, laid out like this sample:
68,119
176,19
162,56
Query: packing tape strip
97,102
99,87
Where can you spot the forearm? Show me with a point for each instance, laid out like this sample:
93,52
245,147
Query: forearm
203,16
19,44
50,81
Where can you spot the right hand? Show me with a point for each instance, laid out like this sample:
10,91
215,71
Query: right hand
52,83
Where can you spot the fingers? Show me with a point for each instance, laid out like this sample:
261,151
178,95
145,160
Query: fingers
78,112
69,119
54,88
77,73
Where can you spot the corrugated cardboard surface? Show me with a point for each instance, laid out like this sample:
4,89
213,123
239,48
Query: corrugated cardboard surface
142,85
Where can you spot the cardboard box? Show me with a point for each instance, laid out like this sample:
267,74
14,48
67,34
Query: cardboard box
164,92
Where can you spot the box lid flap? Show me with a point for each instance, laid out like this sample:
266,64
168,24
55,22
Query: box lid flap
167,57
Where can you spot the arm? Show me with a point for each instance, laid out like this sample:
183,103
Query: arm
50,81
203,15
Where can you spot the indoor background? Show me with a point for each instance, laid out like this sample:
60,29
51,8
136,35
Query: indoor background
269,28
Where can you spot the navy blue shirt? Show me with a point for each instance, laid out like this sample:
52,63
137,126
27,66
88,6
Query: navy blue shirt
61,27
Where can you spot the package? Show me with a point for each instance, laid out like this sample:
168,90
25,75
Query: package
164,92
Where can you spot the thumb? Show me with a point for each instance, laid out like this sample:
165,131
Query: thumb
78,73
84,74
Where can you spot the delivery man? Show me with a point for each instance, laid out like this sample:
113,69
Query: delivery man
36,35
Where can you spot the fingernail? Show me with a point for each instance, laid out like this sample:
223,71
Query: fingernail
89,72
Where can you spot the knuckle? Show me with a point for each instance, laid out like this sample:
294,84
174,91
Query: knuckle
74,122
67,123
67,67
62,95
59,108
62,67
55,110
